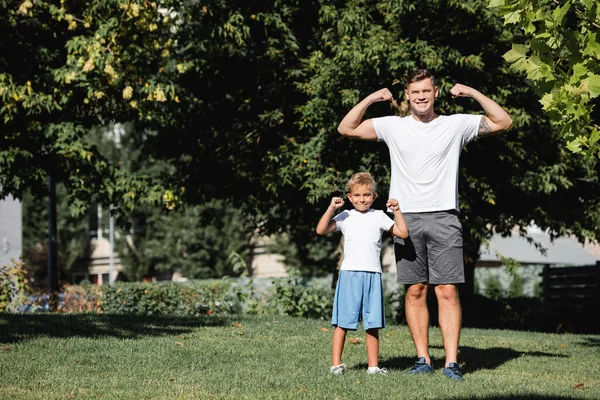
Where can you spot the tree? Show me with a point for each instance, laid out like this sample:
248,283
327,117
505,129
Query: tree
242,103
73,237
560,55
195,241
80,65
511,179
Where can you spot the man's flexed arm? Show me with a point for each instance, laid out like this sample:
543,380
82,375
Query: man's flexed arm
495,119
353,126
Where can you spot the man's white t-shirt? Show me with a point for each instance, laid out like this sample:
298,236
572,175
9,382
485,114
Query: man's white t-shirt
424,158
362,238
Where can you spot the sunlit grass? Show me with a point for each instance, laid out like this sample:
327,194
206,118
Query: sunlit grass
118,357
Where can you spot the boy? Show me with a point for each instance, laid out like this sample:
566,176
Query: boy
359,294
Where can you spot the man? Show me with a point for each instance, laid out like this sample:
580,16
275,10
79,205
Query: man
424,150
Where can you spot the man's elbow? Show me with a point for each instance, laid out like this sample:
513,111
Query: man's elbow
344,131
506,124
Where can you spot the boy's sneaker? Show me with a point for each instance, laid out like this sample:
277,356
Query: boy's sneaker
454,371
337,370
421,367
377,370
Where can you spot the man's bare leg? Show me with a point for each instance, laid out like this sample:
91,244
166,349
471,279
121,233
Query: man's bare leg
450,318
417,317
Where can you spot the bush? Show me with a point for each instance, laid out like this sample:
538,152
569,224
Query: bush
493,288
13,286
293,296
297,298
188,298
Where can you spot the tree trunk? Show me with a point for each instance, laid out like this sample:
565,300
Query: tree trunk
52,247
471,255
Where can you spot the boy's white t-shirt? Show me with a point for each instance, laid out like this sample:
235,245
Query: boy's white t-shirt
424,158
362,238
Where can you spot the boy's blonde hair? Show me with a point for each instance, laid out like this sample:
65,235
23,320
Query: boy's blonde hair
362,179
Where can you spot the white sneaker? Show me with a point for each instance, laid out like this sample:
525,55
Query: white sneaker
377,371
338,370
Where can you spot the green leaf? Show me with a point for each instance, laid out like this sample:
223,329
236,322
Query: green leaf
594,137
593,82
496,3
512,17
517,51
560,12
575,145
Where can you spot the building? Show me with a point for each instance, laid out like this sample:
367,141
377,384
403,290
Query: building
11,230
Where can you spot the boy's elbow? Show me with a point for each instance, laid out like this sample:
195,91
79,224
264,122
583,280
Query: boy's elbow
403,233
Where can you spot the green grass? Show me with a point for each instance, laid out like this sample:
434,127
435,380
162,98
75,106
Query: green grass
127,357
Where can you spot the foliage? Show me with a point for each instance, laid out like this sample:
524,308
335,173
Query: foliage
13,286
198,298
307,254
511,179
297,299
195,241
240,101
73,236
81,66
560,55
493,288
515,288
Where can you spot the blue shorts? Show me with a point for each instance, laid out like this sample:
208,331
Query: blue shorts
358,297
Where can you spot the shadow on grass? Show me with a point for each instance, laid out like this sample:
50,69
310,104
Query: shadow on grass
494,357
516,396
473,358
590,342
21,327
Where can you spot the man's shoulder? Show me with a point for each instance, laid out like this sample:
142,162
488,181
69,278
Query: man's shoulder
389,119
458,116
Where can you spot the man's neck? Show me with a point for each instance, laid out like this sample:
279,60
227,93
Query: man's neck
425,118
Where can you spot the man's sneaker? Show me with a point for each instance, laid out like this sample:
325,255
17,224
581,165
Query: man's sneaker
377,370
421,367
337,370
454,371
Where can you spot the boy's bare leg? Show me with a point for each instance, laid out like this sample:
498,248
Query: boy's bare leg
337,346
373,347
417,317
450,319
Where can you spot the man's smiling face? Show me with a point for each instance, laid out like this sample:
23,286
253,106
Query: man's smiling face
421,96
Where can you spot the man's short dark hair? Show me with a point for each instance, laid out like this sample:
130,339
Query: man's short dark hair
418,75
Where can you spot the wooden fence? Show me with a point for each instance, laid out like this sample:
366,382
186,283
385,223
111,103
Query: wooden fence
571,295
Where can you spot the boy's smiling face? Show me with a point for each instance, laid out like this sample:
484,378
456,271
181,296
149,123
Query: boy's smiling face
362,197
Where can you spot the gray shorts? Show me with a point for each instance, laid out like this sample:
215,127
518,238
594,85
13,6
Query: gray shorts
433,252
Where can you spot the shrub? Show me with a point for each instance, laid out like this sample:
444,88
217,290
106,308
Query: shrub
188,298
13,286
296,298
493,288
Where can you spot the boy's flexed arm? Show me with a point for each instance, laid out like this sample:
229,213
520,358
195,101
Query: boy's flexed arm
495,119
399,228
353,126
326,225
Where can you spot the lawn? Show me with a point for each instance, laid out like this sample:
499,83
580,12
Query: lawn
87,356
